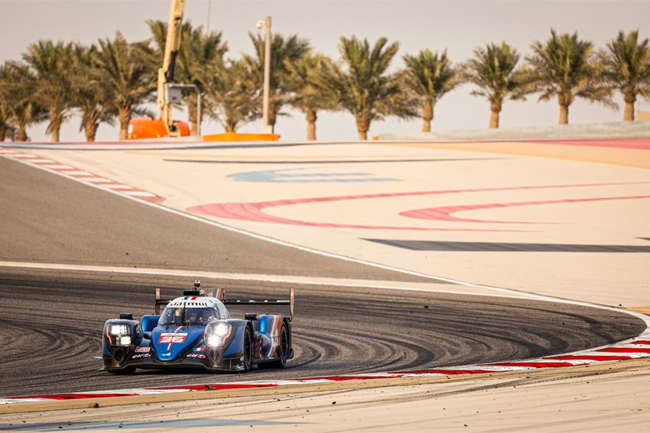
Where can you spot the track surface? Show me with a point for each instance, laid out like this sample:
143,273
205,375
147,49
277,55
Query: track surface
52,320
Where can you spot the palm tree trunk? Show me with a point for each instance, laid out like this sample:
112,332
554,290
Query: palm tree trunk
311,125
192,113
494,120
91,130
272,118
495,108
3,133
427,117
21,134
564,102
564,114
363,125
124,115
231,125
55,125
630,99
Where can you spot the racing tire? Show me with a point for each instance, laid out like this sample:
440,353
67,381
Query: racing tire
283,349
248,349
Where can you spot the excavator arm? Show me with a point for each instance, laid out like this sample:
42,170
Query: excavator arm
167,93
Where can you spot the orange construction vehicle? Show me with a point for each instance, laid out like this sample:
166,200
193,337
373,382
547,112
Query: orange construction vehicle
169,93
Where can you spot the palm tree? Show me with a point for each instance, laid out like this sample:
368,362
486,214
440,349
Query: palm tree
48,61
564,67
364,87
627,68
6,128
92,94
307,97
429,77
130,80
284,51
493,70
199,58
233,98
17,97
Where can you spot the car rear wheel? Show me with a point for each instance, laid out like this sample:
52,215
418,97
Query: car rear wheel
248,349
283,349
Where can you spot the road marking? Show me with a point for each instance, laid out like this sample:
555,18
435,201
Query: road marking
254,211
445,213
80,175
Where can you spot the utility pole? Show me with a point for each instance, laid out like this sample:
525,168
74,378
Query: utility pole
266,128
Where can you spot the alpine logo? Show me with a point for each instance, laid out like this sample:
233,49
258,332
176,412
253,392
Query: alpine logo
172,338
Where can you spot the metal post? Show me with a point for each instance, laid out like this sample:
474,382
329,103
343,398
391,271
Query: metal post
198,109
266,128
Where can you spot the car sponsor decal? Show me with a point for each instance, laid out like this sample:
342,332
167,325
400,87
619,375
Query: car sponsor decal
169,338
142,349
178,303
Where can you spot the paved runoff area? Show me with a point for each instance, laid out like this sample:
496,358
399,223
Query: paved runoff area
565,218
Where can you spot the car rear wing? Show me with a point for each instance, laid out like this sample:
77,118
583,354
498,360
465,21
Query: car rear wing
160,304
221,295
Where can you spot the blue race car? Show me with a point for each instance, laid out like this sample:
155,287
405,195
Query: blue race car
196,331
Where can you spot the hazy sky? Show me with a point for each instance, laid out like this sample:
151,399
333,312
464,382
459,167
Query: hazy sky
458,26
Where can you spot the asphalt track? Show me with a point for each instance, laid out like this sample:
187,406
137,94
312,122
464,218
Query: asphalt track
52,319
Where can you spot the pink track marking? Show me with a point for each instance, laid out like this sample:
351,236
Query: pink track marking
444,213
254,211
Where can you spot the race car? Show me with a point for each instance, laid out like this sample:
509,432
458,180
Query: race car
196,331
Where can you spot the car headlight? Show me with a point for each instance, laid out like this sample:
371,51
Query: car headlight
119,330
213,340
215,335
124,340
222,329
119,334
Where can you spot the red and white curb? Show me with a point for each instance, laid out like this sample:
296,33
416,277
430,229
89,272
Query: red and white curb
631,349
82,175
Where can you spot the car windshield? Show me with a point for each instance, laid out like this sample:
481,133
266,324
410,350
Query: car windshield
181,316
